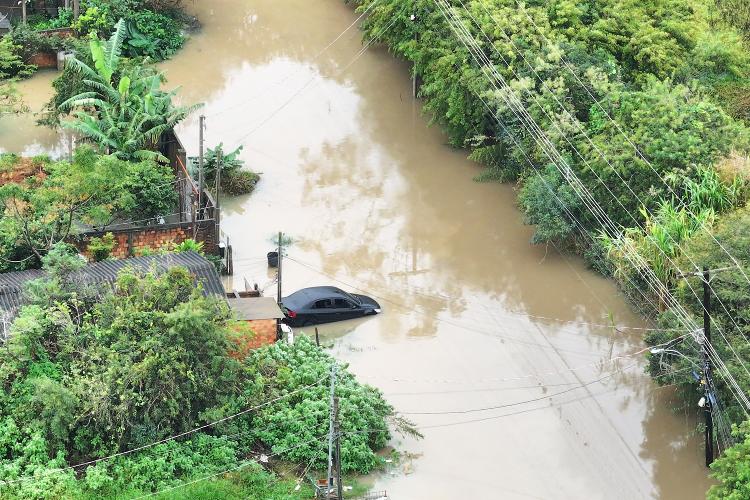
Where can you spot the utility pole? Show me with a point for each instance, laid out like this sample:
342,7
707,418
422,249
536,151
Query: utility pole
337,449
76,8
414,88
202,126
194,214
217,209
331,431
23,12
707,366
278,272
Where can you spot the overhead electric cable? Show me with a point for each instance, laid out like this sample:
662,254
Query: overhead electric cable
46,472
580,190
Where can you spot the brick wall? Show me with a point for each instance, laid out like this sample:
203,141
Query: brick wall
252,335
43,60
128,243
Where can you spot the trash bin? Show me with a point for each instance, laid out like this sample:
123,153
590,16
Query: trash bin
273,259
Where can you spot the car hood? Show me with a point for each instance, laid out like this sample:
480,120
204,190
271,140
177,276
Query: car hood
367,301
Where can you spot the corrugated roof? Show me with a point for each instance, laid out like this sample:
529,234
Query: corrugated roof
12,284
250,308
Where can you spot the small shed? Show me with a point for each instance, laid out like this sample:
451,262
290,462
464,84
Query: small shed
261,314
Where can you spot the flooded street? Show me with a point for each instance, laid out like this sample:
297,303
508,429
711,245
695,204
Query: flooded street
497,349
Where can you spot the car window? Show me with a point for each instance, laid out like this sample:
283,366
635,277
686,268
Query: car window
342,304
323,304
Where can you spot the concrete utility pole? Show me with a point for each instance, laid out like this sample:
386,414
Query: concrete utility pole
217,210
707,366
23,12
337,449
414,89
331,430
202,127
278,271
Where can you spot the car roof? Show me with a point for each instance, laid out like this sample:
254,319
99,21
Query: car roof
304,297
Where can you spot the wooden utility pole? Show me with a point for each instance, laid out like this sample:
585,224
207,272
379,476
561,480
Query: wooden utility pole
202,126
278,271
76,8
23,12
707,366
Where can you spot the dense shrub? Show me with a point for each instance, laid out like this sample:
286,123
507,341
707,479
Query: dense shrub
598,78
12,64
64,19
48,207
31,42
154,30
301,420
234,179
153,35
91,371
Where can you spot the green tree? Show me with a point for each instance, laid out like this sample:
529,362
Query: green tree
93,190
123,111
11,62
732,469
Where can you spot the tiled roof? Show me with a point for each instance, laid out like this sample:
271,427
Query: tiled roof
12,284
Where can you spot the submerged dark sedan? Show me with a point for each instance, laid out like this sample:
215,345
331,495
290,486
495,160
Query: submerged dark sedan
324,304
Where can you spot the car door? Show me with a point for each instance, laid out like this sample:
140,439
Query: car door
322,311
346,309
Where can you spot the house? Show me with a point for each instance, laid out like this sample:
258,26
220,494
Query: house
12,284
261,315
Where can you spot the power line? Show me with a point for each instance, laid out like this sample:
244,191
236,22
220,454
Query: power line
310,81
639,153
519,412
703,226
182,434
491,334
508,405
291,74
233,469
580,189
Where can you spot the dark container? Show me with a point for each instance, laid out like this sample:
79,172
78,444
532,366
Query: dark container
273,259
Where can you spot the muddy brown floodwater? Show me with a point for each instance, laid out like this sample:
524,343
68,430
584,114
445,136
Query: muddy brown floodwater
473,315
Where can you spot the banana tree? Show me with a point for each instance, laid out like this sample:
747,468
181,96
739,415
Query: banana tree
124,110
